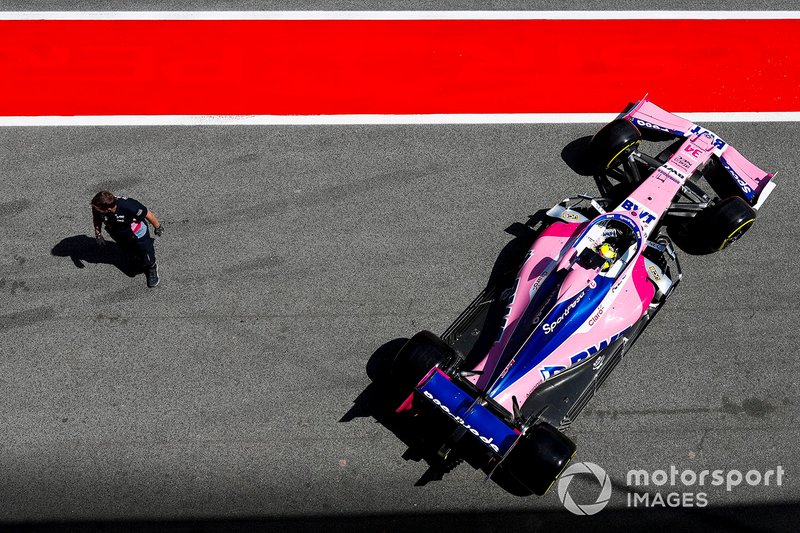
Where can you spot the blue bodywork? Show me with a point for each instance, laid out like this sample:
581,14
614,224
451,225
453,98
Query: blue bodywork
462,408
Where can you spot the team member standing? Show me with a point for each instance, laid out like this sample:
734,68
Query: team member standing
126,220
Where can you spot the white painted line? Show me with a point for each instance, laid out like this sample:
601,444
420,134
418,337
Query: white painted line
396,15
338,120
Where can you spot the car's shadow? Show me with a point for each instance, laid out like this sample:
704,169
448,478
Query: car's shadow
574,155
82,249
380,399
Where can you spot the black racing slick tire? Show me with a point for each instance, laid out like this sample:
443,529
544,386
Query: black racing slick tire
538,458
725,222
613,144
414,360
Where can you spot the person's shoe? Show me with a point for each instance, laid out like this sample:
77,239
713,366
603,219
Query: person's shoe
152,276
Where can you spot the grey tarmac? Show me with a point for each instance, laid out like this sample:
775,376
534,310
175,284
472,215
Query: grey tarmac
292,254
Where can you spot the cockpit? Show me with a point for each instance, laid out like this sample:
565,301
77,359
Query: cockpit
608,245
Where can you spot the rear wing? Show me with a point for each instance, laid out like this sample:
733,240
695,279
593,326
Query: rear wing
477,419
755,184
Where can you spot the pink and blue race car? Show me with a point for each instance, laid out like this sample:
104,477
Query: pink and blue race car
598,271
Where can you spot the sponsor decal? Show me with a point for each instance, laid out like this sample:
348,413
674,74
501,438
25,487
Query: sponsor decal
570,216
591,350
619,283
595,317
742,184
625,220
670,170
538,282
486,440
637,212
508,366
551,326
692,151
716,142
654,273
550,371
535,287
666,172
682,162
646,124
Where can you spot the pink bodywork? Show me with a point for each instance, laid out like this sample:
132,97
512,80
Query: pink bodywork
751,179
537,267
625,303
625,306
632,292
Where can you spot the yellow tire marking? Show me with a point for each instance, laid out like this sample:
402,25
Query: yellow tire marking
734,232
562,471
623,149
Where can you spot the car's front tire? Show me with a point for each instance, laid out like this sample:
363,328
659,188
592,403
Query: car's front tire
613,144
724,222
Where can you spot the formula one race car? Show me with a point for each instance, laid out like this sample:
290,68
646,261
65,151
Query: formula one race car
596,274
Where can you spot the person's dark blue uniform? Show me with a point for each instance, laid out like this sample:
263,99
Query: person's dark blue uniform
126,220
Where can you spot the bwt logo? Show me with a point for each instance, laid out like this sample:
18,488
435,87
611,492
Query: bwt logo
638,211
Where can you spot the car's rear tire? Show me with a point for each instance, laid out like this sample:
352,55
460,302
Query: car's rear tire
416,358
613,144
538,458
724,222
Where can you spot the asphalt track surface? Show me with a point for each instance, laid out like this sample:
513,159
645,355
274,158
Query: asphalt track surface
290,256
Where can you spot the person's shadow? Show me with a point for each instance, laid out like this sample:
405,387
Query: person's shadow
82,249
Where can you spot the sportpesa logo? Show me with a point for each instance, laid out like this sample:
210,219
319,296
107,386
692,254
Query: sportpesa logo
486,440
548,328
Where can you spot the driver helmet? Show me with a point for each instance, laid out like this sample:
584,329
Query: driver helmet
609,253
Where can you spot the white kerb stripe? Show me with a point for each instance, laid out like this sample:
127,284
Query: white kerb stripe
334,120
